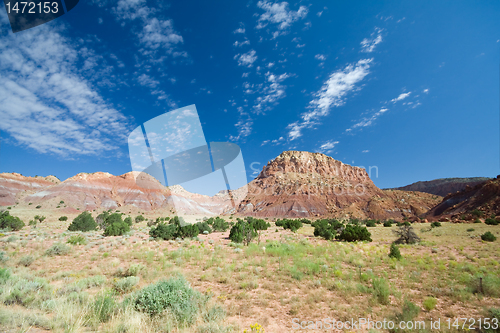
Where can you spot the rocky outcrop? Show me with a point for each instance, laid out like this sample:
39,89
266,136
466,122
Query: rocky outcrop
484,197
444,186
302,184
13,184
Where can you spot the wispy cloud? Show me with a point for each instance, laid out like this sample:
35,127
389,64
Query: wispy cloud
368,44
273,90
401,97
240,44
280,15
320,57
365,151
274,142
46,104
327,147
367,121
332,94
147,81
246,59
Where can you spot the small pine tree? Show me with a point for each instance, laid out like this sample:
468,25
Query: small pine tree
394,252
10,222
488,237
354,233
83,222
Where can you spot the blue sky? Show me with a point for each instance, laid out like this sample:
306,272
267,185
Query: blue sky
410,89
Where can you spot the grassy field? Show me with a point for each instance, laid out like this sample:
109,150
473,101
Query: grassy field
97,284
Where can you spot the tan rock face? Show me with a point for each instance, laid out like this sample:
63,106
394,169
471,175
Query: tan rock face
302,184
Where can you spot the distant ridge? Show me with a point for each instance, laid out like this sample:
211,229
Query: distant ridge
443,186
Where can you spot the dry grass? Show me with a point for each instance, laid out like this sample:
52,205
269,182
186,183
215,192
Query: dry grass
295,276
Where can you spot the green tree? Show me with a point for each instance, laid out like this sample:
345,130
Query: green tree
115,226
10,222
83,222
353,233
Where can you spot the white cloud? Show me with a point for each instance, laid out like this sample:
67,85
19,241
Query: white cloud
246,59
240,30
331,94
425,91
319,13
46,104
320,57
365,151
368,44
401,97
279,14
240,44
274,142
159,34
367,121
147,81
327,147
272,91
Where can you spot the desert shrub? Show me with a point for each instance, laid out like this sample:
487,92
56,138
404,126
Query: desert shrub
83,222
115,226
4,275
188,231
63,218
215,313
394,252
10,222
292,224
203,226
477,213
164,231
488,284
38,207
3,257
26,260
429,303
242,232
125,284
477,221
492,314
388,223
77,240
408,313
139,218
102,308
258,224
327,228
354,233
174,295
370,223
470,229
128,220
490,221
218,224
381,290
406,235
488,237
57,249
435,224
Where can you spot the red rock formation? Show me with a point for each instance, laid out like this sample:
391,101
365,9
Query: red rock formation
311,184
484,197
12,184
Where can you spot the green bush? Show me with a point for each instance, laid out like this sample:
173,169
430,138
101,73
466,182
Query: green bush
258,224
128,220
477,213
490,221
242,232
139,218
435,224
381,290
429,303
291,224
164,231
4,275
57,249
388,223
370,223
477,221
38,207
174,295
218,224
83,222
115,225
203,226
77,240
103,308
488,237
394,252
408,313
125,284
354,233
63,218
326,228
188,231
10,222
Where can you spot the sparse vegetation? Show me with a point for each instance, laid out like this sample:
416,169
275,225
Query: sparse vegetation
435,224
63,218
77,240
57,249
406,235
139,218
491,221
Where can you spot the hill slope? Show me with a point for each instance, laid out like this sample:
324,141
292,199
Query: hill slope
443,186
